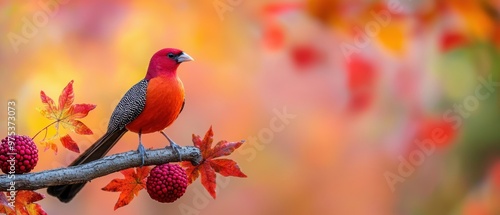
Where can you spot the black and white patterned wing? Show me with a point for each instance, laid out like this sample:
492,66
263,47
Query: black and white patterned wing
129,107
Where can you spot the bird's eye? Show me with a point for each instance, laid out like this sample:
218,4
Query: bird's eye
171,55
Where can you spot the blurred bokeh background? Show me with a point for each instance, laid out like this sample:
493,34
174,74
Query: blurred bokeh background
395,103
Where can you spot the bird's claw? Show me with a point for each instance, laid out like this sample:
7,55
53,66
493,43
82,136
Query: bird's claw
142,153
176,149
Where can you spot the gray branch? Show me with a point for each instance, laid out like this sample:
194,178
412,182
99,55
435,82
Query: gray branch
97,168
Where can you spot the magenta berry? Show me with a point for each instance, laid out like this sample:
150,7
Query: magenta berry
166,183
18,154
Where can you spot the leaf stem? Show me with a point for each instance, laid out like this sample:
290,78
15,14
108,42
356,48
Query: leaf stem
45,135
45,128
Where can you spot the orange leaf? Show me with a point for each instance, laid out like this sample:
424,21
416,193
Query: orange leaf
49,144
4,204
54,148
69,143
33,209
134,181
191,171
24,204
66,114
227,167
207,168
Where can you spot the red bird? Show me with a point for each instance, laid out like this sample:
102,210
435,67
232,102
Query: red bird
149,106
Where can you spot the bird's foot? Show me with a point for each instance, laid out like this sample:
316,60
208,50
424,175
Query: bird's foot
142,152
176,149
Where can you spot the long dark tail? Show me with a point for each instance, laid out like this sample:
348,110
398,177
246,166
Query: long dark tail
66,192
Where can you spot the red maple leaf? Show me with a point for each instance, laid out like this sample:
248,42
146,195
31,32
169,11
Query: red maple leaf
209,165
65,114
23,204
134,181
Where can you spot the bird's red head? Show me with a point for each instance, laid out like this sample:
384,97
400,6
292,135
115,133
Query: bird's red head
165,62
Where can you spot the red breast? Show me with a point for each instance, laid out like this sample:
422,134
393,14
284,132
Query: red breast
164,99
